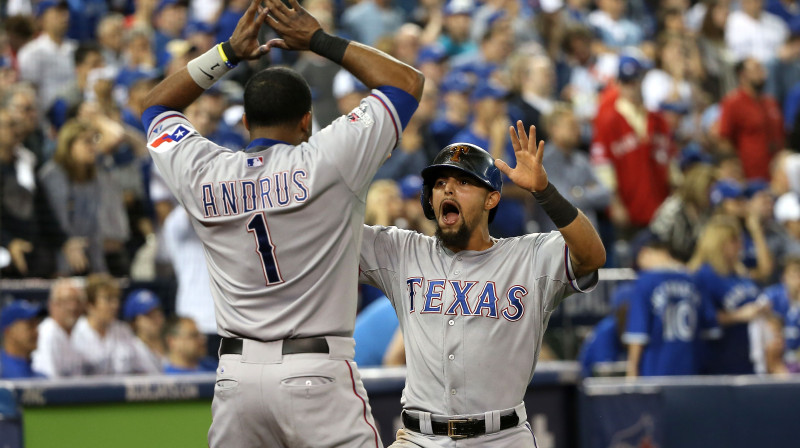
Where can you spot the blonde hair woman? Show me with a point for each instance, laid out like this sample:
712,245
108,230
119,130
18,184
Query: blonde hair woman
720,275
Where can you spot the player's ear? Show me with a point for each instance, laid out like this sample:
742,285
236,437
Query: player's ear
245,122
305,123
492,199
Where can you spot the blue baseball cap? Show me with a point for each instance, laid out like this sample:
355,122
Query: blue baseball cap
164,3
692,154
410,186
44,5
19,310
631,68
725,189
755,186
198,27
431,53
488,90
138,302
456,82
458,7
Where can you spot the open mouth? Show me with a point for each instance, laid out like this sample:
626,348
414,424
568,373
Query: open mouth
450,212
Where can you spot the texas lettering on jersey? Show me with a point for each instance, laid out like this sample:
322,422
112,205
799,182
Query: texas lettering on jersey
466,298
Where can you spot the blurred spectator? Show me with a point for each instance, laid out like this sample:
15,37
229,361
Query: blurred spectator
721,276
87,203
205,114
785,171
229,17
18,321
519,15
186,253
110,37
87,57
718,60
85,16
142,14
431,62
413,217
375,327
784,298
613,28
455,113
784,71
142,310
47,60
576,180
319,72
367,20
750,124
679,220
26,219
55,356
200,35
631,151
406,43
138,60
534,98
107,344
383,205
169,20
667,316
457,25
753,33
678,65
348,91
495,47
787,214
604,345
186,348
131,113
20,29
728,198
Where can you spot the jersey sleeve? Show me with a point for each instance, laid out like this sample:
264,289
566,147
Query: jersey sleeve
178,150
376,257
358,143
552,261
637,329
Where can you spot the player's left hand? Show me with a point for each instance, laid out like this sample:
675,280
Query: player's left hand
244,39
529,172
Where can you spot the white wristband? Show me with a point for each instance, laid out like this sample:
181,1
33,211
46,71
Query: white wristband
207,68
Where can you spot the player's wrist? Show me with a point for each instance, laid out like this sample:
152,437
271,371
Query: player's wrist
558,208
228,54
212,65
326,45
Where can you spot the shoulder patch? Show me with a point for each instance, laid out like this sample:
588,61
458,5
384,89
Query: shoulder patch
169,138
360,115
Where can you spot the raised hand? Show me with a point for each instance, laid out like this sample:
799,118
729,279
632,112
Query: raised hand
294,25
244,39
529,172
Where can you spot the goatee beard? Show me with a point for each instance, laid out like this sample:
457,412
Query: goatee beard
454,240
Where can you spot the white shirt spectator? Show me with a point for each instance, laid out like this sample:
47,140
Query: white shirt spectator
48,65
189,263
55,356
759,39
149,361
658,86
114,353
616,34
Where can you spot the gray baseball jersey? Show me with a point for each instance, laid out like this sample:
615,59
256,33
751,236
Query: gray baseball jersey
281,225
472,321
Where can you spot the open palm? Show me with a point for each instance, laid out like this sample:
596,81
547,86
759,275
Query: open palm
529,172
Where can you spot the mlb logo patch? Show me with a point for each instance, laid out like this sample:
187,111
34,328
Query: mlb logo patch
174,137
253,162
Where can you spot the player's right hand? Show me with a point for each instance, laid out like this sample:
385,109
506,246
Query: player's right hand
244,39
294,25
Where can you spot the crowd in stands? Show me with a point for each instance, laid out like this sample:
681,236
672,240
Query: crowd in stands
673,125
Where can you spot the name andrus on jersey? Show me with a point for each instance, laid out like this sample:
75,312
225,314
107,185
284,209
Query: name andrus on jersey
453,296
234,197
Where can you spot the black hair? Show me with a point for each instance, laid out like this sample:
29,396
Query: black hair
276,96
84,50
738,68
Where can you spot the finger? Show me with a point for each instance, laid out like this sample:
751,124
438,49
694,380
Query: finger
276,43
295,4
523,137
503,167
540,153
532,142
261,50
250,13
514,138
277,6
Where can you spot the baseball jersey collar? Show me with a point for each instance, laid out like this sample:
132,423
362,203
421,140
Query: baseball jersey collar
263,143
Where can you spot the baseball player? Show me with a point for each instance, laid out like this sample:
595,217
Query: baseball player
472,308
281,228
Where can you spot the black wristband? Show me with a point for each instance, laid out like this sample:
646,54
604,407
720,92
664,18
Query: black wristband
227,48
331,47
560,210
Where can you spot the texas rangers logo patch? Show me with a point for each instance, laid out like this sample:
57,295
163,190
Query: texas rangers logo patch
176,136
254,162
458,151
360,115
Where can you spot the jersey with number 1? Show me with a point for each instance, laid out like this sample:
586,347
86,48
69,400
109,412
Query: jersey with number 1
472,321
281,224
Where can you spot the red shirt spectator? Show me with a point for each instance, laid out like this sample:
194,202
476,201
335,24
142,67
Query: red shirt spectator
750,122
641,163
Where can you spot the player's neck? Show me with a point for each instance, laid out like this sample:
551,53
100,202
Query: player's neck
280,133
478,241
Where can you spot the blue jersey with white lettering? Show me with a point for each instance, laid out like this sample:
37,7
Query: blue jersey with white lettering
729,355
778,297
668,313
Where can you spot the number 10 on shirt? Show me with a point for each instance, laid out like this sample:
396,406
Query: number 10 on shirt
264,248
